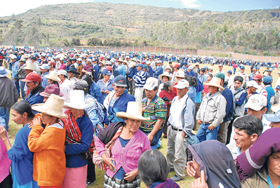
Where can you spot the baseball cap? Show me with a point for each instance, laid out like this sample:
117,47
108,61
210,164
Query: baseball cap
277,87
62,72
139,65
273,117
252,83
242,67
32,77
256,102
220,75
120,81
182,84
190,67
44,66
177,65
106,72
220,65
151,83
230,72
257,77
267,79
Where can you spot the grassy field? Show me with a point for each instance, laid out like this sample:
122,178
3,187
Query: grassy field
184,183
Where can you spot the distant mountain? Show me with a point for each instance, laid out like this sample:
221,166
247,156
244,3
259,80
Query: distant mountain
123,24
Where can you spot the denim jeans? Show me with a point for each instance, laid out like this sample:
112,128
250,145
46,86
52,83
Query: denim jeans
17,85
22,84
4,117
154,143
204,133
192,140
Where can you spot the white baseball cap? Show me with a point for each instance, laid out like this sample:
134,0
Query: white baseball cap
182,84
62,72
256,102
253,83
151,83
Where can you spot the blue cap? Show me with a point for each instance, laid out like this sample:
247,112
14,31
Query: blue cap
120,81
277,87
139,65
33,58
44,66
145,66
267,79
206,67
242,67
230,71
273,117
106,72
254,68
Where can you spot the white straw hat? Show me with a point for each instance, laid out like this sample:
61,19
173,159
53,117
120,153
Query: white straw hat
133,111
77,100
215,82
53,76
166,74
29,65
52,107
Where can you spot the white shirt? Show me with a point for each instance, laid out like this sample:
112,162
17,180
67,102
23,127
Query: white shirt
65,89
176,111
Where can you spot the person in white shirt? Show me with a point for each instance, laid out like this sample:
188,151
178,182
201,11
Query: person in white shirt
244,75
64,84
180,124
220,69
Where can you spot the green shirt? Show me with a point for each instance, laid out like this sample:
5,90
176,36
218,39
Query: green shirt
156,109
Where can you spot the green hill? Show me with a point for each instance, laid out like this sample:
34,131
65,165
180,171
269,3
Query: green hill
128,25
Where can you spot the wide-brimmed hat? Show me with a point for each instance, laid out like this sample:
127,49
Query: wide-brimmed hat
29,65
3,72
52,107
180,74
215,82
166,74
120,60
51,89
77,100
133,111
52,76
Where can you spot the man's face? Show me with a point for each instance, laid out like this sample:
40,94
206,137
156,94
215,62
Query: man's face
237,84
138,68
31,85
242,139
71,75
220,68
44,70
253,90
182,92
118,90
201,72
254,71
164,79
241,70
150,93
274,124
212,90
258,114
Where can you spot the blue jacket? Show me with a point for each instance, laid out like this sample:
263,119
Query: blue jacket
22,157
230,104
119,106
44,80
132,72
270,93
95,91
102,86
34,96
75,152
150,71
15,66
192,93
159,71
96,72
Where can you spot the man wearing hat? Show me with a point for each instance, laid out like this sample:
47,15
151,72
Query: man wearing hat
222,132
33,83
14,74
116,101
45,71
267,80
180,125
132,72
139,79
176,69
36,64
121,67
244,75
220,67
253,73
8,97
155,108
80,67
158,69
229,79
72,74
277,95
258,79
22,75
211,111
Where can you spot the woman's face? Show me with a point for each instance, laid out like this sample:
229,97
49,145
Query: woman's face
132,125
46,119
196,168
209,78
50,81
76,112
164,79
17,117
273,166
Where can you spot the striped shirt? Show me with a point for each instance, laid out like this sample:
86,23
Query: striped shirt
140,78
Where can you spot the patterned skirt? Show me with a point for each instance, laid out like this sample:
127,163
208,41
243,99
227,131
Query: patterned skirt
121,183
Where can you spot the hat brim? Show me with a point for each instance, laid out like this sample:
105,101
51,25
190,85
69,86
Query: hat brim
215,85
124,115
252,106
120,85
78,107
25,80
165,75
52,78
40,108
271,118
6,74
75,72
180,87
44,94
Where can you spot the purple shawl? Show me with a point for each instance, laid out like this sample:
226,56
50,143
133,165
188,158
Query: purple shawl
167,184
253,159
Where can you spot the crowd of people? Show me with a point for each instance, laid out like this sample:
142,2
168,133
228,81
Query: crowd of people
84,110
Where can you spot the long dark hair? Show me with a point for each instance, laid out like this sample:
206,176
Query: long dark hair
23,106
192,80
166,85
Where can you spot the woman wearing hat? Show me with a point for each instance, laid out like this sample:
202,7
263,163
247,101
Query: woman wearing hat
48,143
64,84
52,78
20,157
50,89
105,84
121,145
164,78
79,140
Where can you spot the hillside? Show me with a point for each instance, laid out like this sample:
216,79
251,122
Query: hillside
123,24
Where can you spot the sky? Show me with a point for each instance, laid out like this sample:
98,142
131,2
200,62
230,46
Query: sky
17,6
